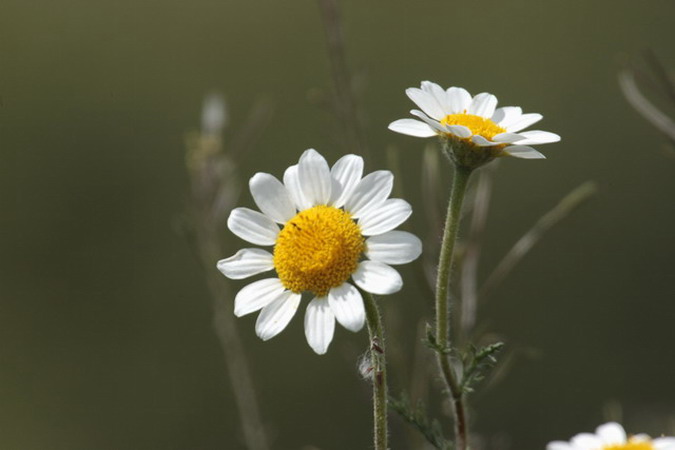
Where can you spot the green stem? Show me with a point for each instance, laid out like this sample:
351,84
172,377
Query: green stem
445,266
378,371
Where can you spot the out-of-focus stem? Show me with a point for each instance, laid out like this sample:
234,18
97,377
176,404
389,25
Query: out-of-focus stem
237,366
469,282
661,121
568,204
445,265
213,188
345,102
379,371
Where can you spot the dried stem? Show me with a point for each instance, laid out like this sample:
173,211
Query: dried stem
661,121
568,204
469,270
214,190
345,102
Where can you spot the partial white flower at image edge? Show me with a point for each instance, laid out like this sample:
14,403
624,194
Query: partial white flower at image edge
612,436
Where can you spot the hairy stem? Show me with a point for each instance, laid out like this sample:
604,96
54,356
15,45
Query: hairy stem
445,266
378,370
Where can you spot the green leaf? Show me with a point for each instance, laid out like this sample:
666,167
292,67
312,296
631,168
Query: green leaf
417,417
477,363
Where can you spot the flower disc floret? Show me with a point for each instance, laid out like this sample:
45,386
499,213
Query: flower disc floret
479,126
630,445
318,249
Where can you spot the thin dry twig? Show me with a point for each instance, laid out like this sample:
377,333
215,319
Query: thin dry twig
473,247
431,186
346,105
664,79
651,113
562,210
214,191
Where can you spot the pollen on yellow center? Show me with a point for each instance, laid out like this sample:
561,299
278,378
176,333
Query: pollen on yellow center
630,445
318,249
477,124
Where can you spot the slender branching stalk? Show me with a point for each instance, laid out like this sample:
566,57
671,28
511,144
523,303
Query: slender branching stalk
563,209
213,192
208,245
348,115
378,371
445,266
346,106
472,252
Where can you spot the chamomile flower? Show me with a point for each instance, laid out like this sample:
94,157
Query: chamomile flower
336,226
475,129
611,436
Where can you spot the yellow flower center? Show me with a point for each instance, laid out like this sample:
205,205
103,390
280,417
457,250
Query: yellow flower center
477,124
318,249
632,444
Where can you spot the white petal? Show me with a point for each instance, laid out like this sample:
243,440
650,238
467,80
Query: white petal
426,102
559,445
274,317
482,142
523,151
292,183
507,138
459,100
314,176
271,197
347,304
390,214
459,130
506,115
439,94
377,278
257,295
394,247
611,433
521,122
641,437
370,193
538,137
483,105
431,122
664,443
346,173
411,127
586,440
246,262
319,325
252,226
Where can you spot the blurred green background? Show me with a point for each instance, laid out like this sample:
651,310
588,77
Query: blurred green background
105,319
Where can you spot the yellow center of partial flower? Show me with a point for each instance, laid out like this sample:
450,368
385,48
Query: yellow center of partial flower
632,444
477,124
318,249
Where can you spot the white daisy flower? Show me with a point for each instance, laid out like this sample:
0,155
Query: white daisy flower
473,122
335,225
611,436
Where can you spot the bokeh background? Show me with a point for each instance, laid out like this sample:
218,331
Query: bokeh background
106,338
